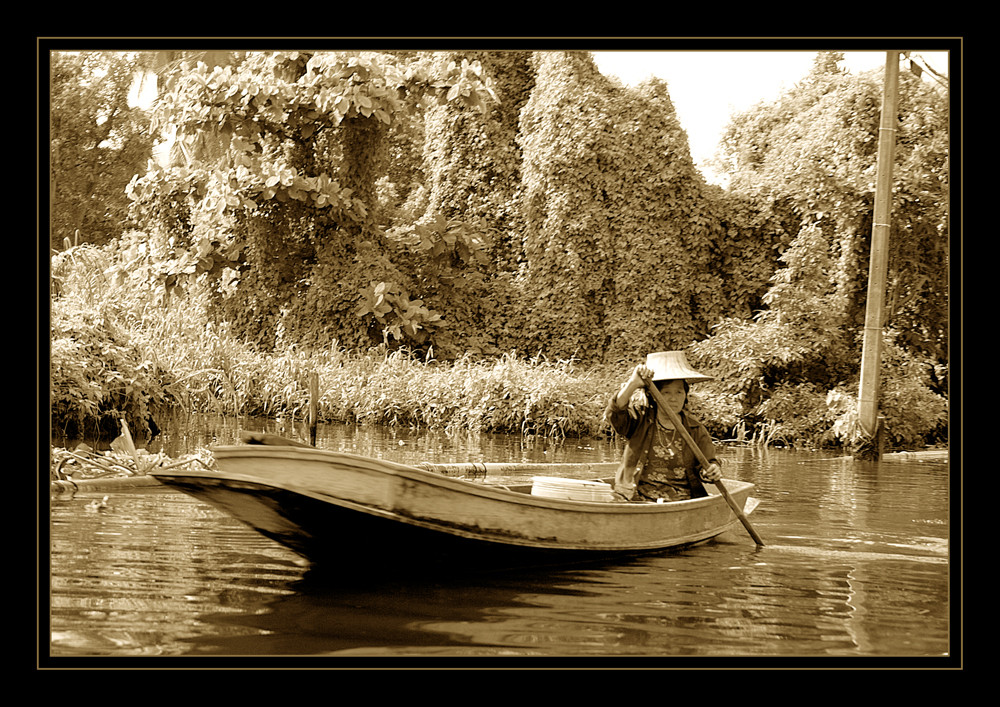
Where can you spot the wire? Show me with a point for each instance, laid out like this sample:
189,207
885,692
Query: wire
922,64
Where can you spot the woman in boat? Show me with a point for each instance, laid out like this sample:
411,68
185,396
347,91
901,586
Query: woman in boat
657,463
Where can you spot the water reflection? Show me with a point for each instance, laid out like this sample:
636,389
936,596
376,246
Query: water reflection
719,600
128,579
856,565
186,433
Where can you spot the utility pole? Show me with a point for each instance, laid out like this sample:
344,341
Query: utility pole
871,355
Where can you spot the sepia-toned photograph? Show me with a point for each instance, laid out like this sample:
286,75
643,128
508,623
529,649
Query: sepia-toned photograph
499,353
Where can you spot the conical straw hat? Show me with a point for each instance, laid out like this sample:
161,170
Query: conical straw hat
672,365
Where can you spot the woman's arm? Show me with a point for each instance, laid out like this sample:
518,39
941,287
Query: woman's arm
636,381
622,416
704,440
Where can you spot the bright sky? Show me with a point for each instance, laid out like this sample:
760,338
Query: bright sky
707,87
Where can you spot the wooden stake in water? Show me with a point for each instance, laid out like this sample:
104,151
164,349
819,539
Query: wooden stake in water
313,405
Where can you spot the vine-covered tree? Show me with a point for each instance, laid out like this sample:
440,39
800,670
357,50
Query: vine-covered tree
811,158
564,216
473,159
620,234
97,143
274,185
472,170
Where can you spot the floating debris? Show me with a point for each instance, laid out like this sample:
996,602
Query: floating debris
95,506
123,459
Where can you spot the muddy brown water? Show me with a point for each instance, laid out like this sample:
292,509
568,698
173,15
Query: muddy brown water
857,565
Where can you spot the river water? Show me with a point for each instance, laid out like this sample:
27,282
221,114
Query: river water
857,566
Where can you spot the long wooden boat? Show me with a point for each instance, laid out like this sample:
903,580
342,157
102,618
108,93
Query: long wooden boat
329,505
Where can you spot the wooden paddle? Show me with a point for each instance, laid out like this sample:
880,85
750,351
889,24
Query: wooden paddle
700,455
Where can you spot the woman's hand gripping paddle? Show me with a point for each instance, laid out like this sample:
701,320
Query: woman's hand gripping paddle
700,455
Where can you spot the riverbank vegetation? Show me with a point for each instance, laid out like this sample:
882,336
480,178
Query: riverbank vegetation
490,241
124,350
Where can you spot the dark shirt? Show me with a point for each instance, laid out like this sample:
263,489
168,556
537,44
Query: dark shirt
659,460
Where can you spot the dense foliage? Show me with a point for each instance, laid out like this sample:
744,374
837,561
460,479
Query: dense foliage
97,143
472,162
100,372
811,156
276,170
614,247
125,349
444,207
550,211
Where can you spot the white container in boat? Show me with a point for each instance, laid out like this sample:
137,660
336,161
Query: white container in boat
571,489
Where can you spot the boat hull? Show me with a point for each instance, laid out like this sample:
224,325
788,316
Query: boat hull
328,505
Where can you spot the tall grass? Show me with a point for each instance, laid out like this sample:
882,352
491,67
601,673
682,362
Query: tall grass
123,349
506,394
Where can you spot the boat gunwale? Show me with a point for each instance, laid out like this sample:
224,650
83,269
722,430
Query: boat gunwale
494,492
